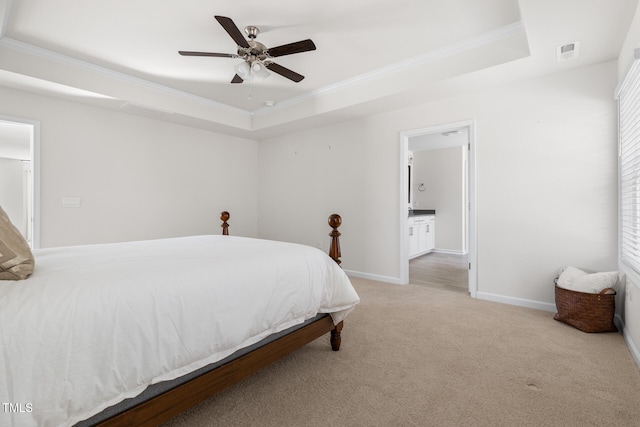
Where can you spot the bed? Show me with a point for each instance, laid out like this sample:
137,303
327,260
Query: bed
134,333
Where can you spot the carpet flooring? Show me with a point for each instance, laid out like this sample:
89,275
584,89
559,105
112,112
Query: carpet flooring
419,356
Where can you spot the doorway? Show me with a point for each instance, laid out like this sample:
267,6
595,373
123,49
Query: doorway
20,175
455,141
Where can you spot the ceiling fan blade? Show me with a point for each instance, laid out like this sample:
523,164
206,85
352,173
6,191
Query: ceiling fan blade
291,48
232,29
285,72
237,79
220,55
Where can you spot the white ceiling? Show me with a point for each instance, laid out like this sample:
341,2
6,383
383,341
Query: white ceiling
371,55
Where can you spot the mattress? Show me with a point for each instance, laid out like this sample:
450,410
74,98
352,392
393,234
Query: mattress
98,324
159,388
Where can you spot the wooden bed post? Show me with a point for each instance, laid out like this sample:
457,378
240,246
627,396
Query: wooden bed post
336,339
224,216
334,252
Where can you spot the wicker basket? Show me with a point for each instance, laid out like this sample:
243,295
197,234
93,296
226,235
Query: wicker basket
585,311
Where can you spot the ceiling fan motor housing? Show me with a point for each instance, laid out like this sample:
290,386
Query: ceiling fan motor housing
255,54
256,51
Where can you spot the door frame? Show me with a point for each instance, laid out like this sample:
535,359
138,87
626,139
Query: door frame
34,182
472,218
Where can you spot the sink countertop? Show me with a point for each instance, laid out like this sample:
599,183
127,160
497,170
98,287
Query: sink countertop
417,212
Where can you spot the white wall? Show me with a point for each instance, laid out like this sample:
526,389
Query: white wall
631,295
138,178
305,177
546,177
12,191
631,42
441,172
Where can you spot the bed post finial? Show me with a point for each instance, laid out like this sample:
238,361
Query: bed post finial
224,216
334,252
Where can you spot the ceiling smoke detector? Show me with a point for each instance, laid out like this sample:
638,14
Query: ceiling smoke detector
567,51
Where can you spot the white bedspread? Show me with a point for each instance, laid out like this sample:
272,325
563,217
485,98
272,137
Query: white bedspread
96,324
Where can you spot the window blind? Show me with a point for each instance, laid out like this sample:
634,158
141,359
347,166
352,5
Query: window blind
629,168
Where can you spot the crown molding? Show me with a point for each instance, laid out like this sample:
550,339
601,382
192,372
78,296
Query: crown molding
431,56
116,75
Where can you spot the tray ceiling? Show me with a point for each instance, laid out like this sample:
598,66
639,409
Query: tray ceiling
370,55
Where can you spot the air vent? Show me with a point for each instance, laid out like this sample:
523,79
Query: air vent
142,109
451,132
567,51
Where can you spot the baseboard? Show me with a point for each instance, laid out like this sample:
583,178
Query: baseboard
633,348
538,305
480,295
630,286
376,277
450,251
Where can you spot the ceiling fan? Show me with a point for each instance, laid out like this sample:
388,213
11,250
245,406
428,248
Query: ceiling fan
256,56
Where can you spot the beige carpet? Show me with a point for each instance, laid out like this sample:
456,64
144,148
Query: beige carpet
417,356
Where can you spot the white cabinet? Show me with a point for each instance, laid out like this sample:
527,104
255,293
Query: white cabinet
430,235
413,237
422,235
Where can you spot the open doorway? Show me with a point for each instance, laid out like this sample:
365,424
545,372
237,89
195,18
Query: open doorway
19,176
438,188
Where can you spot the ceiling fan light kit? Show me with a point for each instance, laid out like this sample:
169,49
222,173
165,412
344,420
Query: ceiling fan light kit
257,58
256,72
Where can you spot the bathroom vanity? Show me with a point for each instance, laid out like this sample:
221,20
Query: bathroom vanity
422,231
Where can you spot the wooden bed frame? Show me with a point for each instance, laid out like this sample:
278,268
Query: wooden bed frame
172,402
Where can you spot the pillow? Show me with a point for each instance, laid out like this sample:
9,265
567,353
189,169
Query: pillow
575,279
594,283
16,259
568,276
